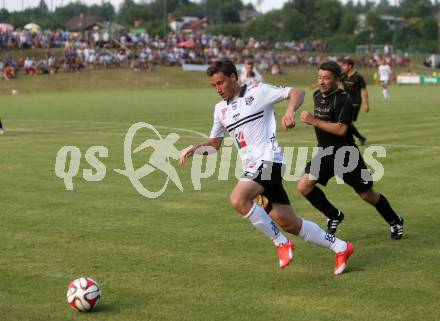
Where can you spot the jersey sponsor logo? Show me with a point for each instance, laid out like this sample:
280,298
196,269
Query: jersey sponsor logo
240,139
236,116
249,100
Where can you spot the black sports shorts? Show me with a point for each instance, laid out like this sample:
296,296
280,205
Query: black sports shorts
353,178
270,176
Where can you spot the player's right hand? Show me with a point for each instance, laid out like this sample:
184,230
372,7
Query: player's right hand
188,152
288,121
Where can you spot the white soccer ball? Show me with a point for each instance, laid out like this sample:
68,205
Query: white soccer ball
14,92
83,294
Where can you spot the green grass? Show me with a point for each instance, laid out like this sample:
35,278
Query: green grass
188,256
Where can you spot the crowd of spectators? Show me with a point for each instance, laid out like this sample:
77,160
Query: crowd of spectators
71,52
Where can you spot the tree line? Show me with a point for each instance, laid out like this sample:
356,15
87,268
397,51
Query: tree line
342,26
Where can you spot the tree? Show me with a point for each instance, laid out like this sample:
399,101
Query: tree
379,31
43,8
305,7
417,8
327,17
267,27
222,11
191,9
4,15
105,10
349,22
295,25
129,12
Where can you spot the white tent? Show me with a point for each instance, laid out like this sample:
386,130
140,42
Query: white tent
32,27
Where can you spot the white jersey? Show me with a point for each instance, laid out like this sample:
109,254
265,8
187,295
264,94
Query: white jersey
245,80
384,73
250,120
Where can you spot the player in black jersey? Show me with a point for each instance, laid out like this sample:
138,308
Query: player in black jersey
333,115
354,85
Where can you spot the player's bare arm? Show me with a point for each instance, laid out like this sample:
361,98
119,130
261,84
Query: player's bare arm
210,142
367,104
296,99
338,129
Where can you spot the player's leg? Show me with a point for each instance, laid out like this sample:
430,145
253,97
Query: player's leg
354,130
383,207
242,201
364,188
307,187
386,94
286,218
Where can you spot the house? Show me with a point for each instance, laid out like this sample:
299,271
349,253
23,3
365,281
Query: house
193,26
83,25
247,15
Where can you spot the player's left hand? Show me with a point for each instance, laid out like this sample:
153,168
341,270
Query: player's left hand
307,118
288,121
367,108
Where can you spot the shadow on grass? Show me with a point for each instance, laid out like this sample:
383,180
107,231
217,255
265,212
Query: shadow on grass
104,308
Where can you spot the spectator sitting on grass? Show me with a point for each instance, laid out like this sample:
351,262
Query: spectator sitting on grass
8,72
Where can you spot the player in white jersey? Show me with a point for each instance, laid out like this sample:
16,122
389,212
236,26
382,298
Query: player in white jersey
385,72
247,113
249,75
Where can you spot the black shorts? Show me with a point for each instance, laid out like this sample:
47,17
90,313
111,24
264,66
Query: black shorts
353,178
270,176
356,109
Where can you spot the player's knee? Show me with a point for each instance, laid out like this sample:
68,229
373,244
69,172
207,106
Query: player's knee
364,196
304,186
240,204
369,196
293,227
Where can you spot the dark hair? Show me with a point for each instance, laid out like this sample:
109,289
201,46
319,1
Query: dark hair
333,67
225,66
348,61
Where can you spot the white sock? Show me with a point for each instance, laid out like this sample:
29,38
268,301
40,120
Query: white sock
262,222
385,93
311,232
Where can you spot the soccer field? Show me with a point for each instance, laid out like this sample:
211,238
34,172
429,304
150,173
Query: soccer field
187,255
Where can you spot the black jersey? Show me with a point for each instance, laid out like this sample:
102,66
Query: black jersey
353,85
336,108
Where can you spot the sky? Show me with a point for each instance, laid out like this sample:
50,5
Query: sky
13,5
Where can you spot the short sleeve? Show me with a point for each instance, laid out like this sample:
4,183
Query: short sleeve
345,113
272,94
217,130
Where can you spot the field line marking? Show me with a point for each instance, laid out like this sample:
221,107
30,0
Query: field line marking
199,134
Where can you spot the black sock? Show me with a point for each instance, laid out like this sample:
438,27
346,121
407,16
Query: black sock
356,133
384,209
317,198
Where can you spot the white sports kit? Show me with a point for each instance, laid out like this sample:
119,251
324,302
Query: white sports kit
250,120
384,73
